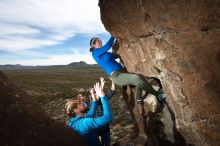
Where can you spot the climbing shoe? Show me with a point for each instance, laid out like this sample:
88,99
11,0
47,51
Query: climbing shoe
161,96
140,99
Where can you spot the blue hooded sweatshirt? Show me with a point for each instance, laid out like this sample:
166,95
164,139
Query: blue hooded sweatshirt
88,125
106,60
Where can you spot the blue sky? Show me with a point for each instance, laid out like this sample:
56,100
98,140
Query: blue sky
48,32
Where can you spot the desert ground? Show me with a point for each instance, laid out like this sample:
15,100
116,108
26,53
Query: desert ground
52,86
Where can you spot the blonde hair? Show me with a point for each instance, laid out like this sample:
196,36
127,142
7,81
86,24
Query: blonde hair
71,104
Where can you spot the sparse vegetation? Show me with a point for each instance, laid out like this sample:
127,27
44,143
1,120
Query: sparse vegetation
51,86
48,84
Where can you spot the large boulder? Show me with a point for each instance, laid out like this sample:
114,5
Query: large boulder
177,42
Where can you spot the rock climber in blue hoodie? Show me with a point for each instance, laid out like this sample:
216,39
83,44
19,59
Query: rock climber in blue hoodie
106,60
84,121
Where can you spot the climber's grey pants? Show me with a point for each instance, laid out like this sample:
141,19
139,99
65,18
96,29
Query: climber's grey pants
122,79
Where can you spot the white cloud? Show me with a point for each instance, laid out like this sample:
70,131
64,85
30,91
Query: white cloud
52,13
16,44
13,29
46,59
29,24
52,60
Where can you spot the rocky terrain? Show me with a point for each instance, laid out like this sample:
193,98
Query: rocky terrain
24,123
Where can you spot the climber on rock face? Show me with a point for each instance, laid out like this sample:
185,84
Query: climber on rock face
84,121
106,60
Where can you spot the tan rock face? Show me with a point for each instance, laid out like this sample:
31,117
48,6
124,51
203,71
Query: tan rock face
177,42
22,122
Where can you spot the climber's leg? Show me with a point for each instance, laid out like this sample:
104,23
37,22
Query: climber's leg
142,83
138,94
123,79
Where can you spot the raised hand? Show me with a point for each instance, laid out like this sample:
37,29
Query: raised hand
93,94
102,82
110,78
99,90
113,84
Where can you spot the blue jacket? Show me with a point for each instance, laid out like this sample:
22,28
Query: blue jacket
88,126
106,60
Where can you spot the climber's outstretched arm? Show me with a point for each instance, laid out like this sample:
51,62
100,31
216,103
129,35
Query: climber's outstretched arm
106,47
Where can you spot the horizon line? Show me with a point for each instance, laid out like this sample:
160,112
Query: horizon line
51,64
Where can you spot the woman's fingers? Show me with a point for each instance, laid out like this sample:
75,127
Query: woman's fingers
102,79
96,86
91,90
98,89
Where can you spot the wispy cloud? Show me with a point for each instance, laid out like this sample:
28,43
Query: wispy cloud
32,24
54,60
16,29
45,59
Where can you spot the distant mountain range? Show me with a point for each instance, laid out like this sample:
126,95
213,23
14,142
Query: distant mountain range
80,64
